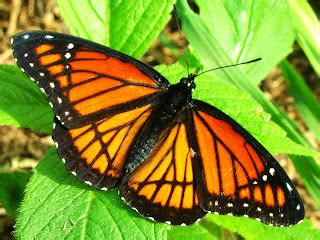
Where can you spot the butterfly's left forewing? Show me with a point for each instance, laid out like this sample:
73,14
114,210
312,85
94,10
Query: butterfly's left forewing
237,175
84,81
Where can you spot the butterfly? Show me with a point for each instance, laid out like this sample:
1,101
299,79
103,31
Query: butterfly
120,124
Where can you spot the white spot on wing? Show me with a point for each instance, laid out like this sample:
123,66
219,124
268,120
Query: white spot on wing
52,85
89,183
67,55
264,177
271,214
70,46
104,189
258,209
63,160
48,36
246,205
11,41
230,205
59,100
74,173
41,74
198,220
298,207
26,55
31,64
26,36
289,187
183,224
167,222
32,78
272,171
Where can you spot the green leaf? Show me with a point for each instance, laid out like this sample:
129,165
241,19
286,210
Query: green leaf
240,31
129,26
250,229
12,186
307,28
204,230
21,102
305,102
241,107
58,205
212,54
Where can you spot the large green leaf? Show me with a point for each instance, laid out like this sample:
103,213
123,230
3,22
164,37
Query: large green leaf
21,102
58,205
129,26
243,30
250,229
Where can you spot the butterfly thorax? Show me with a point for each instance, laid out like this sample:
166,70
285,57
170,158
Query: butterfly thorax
167,112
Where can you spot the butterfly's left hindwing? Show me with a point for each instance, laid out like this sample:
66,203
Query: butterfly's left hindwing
97,152
82,80
238,176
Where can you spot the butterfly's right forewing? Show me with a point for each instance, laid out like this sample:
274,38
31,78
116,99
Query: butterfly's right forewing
237,175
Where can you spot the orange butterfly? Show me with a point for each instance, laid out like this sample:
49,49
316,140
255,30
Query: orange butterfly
119,123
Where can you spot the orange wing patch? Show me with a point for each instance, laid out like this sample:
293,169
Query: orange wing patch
229,153
43,48
100,149
165,181
93,81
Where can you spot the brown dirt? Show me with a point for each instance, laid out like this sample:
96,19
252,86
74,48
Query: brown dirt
21,149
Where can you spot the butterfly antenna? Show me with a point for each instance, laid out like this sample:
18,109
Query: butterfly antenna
237,64
180,36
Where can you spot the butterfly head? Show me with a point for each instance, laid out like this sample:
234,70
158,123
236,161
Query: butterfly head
188,82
